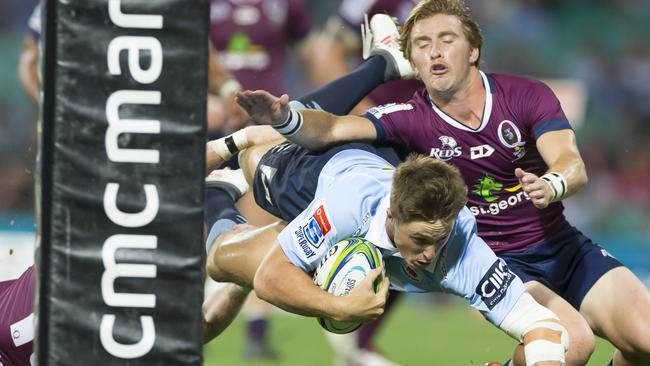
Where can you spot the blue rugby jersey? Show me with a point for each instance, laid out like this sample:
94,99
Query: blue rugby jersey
351,200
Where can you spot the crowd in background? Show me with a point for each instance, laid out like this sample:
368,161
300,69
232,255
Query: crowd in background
605,45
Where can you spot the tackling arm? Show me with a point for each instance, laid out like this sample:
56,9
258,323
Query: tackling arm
312,129
281,283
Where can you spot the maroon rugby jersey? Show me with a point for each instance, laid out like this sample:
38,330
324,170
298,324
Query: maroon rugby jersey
517,111
352,12
17,320
251,38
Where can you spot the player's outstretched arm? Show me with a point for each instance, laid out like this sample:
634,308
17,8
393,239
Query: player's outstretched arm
281,283
312,129
566,173
220,150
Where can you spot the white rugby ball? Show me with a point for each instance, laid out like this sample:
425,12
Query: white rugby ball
343,267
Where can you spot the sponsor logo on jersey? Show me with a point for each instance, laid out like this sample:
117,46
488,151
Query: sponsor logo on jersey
490,190
448,150
242,54
510,137
480,152
317,227
380,111
302,243
494,284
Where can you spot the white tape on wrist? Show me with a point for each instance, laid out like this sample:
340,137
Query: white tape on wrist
229,145
558,185
543,350
291,125
228,88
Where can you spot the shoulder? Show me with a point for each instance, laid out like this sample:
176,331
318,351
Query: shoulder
517,84
418,102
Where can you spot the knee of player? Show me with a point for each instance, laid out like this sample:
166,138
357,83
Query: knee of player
261,284
248,160
636,340
214,265
582,345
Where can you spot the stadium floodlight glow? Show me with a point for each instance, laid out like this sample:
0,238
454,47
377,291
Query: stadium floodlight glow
117,126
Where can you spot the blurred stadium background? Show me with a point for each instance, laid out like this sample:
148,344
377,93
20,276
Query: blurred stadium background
596,54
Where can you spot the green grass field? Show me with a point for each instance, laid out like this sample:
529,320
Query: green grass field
415,334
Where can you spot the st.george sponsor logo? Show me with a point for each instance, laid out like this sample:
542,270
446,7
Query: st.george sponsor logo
488,189
494,285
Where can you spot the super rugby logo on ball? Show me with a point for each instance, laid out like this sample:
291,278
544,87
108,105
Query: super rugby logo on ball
346,264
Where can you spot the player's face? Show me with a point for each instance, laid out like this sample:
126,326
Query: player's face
441,54
417,253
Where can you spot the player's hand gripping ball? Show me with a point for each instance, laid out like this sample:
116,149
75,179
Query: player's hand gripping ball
343,267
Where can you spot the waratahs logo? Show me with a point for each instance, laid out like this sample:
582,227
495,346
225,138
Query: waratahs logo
449,149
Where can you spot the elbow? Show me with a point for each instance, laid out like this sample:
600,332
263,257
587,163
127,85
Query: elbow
262,284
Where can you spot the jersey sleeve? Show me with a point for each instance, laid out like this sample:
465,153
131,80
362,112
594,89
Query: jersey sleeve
543,110
299,21
334,215
477,274
393,122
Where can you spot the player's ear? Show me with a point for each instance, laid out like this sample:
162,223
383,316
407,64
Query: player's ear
473,55
389,214
415,70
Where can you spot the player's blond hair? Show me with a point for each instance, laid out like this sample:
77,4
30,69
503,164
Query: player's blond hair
429,190
428,8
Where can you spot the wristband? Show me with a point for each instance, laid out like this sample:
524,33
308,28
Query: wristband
558,185
229,145
291,125
228,88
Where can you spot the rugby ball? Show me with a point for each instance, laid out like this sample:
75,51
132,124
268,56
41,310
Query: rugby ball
341,269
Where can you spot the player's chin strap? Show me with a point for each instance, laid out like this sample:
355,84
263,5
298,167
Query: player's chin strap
528,316
227,146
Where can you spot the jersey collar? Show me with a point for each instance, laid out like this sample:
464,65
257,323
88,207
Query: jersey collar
376,233
486,112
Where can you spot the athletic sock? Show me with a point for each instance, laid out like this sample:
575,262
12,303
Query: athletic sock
220,213
341,95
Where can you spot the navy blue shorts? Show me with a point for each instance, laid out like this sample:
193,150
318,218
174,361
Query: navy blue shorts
569,264
286,178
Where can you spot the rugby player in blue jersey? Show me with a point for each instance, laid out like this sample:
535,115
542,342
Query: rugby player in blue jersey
415,214
517,154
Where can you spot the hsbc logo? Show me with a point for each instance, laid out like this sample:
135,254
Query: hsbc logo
494,284
483,151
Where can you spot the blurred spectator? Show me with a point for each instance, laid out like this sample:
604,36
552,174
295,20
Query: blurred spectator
337,48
